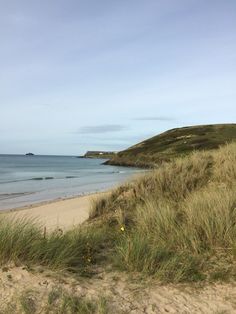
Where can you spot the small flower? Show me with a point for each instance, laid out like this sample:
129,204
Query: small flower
122,228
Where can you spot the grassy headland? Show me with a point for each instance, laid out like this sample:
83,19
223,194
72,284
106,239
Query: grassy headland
175,143
98,154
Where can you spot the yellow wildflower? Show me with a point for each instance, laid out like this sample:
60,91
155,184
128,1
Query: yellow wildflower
122,228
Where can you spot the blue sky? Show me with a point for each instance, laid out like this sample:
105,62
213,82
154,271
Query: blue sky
81,75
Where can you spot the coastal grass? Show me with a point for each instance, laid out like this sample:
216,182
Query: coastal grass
23,241
56,301
176,223
189,243
61,301
65,302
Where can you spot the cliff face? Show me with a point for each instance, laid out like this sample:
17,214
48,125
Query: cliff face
175,143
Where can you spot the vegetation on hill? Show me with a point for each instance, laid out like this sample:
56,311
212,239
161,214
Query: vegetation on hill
175,143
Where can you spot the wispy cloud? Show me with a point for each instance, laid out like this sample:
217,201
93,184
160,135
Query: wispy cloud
161,118
105,128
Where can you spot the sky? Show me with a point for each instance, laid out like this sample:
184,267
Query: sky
80,75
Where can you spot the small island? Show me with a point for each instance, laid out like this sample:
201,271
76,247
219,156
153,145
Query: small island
29,154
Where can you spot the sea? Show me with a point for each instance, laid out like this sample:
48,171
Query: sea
26,180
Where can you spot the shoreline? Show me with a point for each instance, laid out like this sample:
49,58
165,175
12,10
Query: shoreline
52,201
62,213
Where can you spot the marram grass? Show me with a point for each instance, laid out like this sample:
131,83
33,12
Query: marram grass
180,220
24,241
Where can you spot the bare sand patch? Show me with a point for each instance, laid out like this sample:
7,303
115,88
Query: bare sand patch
63,213
123,293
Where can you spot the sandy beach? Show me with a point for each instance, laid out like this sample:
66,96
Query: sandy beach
62,213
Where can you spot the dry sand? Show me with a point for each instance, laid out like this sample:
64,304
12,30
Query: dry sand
123,293
63,214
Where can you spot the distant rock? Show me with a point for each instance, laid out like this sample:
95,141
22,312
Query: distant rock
29,154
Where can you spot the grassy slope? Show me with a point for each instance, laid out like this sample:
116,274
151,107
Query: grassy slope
178,223
175,143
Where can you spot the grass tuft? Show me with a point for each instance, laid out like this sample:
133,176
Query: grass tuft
63,302
27,302
23,241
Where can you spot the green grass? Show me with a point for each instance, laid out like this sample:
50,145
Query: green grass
177,243
23,241
175,143
73,304
180,220
63,302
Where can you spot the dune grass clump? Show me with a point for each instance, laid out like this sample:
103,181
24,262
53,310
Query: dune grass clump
61,301
180,220
23,241
57,300
172,182
27,302
185,243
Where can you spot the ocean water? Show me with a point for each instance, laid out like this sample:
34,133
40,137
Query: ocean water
27,180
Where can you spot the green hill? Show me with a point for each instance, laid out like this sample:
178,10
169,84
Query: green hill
175,143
